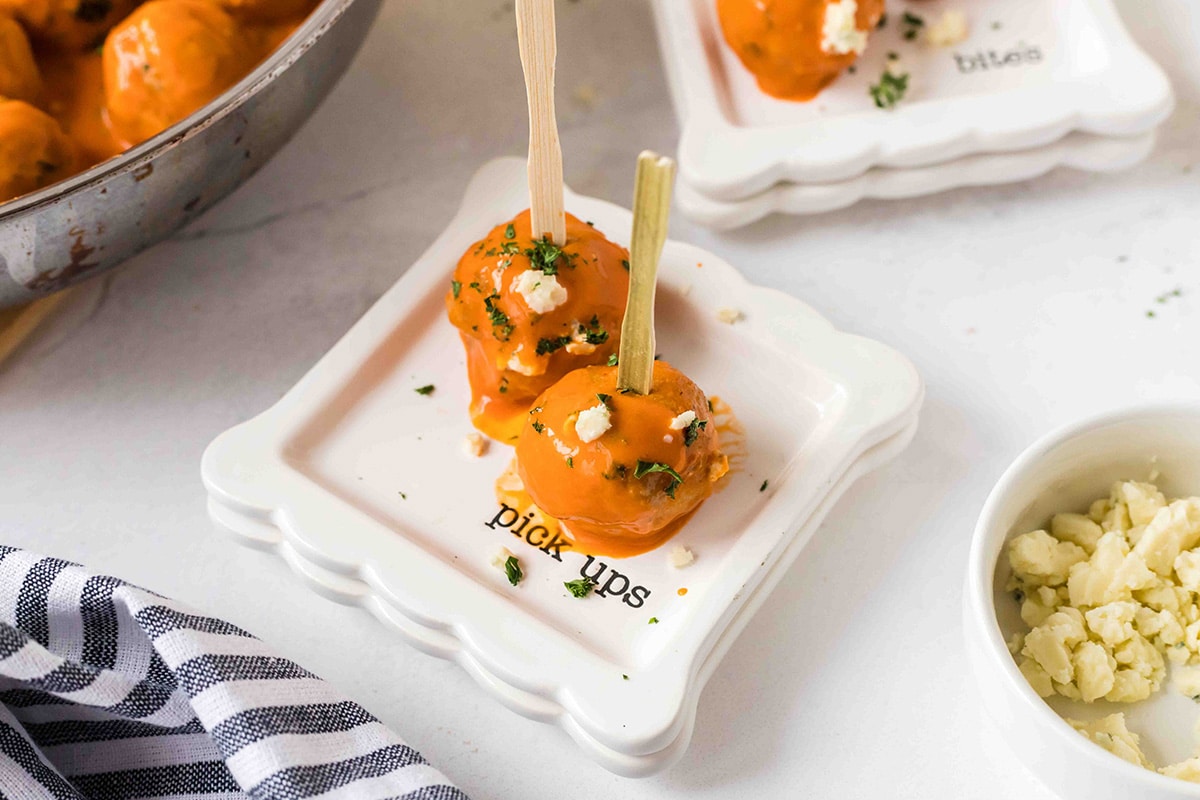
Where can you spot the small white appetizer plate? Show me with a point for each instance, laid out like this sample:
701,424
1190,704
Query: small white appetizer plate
1079,151
1066,470
362,485
1029,73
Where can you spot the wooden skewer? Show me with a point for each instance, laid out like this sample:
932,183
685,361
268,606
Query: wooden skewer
651,210
535,34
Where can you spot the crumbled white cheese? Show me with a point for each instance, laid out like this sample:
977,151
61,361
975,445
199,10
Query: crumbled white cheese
593,422
680,557
502,555
561,446
579,345
729,315
475,445
840,33
949,29
1111,734
683,420
517,365
541,292
1110,598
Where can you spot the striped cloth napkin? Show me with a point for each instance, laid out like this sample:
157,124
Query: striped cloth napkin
112,692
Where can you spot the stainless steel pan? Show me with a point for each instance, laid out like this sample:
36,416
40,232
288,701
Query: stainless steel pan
93,221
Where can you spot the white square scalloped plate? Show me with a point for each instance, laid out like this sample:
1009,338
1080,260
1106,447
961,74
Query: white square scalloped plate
1079,151
1066,65
363,487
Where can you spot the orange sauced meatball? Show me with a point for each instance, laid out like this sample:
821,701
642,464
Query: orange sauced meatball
265,10
19,76
529,312
34,151
796,48
622,472
67,24
168,59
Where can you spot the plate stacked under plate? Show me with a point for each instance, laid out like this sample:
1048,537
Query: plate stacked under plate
1035,85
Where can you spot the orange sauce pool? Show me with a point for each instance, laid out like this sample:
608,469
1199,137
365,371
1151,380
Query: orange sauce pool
108,74
783,42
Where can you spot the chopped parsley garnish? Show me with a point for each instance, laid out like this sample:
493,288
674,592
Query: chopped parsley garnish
510,232
455,288
503,385
475,285
595,333
763,488
612,360
693,430
650,467
509,249
512,568
625,264
544,255
604,398
498,318
547,346
570,462
882,22
581,587
912,25
653,621
890,89
624,677
425,390
537,426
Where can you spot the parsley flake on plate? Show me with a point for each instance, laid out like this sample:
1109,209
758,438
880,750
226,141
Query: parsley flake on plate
425,390
512,568
581,587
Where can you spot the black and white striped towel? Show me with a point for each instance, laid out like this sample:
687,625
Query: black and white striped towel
112,692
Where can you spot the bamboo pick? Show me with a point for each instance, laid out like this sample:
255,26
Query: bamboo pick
536,37
651,210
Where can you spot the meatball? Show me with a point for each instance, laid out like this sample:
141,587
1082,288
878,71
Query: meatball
19,76
529,312
259,11
796,48
169,58
74,25
34,151
622,472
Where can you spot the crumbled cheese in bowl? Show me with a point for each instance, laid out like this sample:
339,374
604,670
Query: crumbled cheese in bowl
1110,598
840,33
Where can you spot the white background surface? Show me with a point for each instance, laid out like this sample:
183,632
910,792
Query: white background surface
1024,307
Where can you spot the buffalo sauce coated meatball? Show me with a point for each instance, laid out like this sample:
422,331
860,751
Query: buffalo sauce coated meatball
67,24
169,58
259,11
19,76
796,48
529,312
622,472
34,151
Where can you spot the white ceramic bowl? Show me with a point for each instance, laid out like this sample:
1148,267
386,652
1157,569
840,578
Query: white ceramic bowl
1066,470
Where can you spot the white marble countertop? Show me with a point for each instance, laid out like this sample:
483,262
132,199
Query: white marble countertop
1024,307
